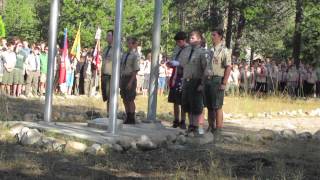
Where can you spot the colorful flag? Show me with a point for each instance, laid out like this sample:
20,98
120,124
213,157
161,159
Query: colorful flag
76,48
96,54
64,58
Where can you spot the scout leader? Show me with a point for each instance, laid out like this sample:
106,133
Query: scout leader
217,74
106,69
128,79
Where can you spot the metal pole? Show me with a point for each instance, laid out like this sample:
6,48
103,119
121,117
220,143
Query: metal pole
115,69
154,74
54,18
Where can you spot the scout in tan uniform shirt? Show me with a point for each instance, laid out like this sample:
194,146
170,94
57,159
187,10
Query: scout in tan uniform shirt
128,79
194,62
106,69
217,73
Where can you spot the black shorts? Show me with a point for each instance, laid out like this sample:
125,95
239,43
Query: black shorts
192,99
214,97
105,87
261,87
128,94
175,96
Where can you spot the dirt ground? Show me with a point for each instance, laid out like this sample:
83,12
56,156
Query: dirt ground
247,159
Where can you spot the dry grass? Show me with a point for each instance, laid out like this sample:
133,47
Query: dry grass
234,105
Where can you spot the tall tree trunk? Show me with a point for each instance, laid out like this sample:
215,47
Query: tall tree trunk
297,32
229,24
241,25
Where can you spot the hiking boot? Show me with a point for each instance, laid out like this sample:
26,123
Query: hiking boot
175,123
183,125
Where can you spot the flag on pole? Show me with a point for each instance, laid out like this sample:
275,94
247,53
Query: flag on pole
76,48
96,53
64,58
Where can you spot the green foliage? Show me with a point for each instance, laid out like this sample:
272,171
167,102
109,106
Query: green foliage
21,19
2,28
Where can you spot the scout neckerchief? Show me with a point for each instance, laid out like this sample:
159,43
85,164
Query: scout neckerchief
125,61
189,59
174,75
107,52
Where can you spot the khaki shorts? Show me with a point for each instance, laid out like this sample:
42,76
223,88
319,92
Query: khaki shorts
43,78
214,97
18,77
7,77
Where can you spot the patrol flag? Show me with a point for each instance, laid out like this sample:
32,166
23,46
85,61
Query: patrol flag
76,47
96,53
64,58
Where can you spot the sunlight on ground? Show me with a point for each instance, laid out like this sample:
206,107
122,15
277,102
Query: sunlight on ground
233,105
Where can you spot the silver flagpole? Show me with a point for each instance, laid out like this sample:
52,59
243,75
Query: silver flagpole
53,27
154,74
115,69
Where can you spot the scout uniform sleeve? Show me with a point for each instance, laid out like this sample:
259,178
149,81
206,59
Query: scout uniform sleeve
136,63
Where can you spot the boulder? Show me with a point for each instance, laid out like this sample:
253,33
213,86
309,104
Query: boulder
305,136
95,149
288,134
106,146
125,143
15,129
316,135
76,146
52,144
145,144
30,137
266,134
181,139
117,148
171,138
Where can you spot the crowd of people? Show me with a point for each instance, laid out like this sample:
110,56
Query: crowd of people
271,77
23,68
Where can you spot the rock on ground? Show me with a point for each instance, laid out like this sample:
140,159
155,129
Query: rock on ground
145,144
15,129
266,134
30,137
288,134
76,146
305,136
316,135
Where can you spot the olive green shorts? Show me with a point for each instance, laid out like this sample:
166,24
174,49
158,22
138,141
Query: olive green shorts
127,94
213,96
18,77
7,78
192,99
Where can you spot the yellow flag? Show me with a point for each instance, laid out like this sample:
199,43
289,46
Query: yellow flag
76,47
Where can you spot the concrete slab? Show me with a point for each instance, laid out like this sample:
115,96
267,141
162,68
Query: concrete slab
82,131
103,123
